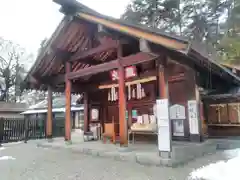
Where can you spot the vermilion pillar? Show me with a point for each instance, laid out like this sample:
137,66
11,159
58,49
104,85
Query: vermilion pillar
86,112
49,114
68,86
164,149
162,80
122,101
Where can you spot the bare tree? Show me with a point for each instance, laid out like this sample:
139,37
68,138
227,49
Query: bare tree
12,70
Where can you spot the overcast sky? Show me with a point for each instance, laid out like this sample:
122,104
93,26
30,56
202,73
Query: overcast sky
27,22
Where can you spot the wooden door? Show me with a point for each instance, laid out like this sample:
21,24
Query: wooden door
233,111
113,116
213,117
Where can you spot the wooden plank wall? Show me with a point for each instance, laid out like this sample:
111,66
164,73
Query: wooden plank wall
224,119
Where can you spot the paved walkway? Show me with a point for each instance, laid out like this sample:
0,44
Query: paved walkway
21,161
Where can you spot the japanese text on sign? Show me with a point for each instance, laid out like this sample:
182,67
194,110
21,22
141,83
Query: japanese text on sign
129,72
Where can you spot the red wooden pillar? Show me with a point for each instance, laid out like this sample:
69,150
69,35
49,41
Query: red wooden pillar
49,113
122,101
162,81
68,89
86,112
163,94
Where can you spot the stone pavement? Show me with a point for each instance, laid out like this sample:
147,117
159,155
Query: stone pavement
141,153
29,162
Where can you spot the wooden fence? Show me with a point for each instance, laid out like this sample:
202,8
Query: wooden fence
12,130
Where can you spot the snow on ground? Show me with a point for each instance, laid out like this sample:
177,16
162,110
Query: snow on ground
221,170
7,158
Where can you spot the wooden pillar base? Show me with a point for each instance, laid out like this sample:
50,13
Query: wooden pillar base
50,140
49,136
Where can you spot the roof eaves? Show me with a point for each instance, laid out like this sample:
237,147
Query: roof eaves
47,48
201,50
79,7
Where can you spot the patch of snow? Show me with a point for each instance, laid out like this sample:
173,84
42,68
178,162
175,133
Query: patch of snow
12,143
232,153
221,170
7,158
2,148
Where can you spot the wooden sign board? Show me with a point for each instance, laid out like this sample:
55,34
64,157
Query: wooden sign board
177,111
130,71
193,117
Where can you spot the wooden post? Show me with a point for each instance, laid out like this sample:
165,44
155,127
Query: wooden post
164,95
162,81
1,130
49,114
129,117
86,112
122,101
26,128
68,86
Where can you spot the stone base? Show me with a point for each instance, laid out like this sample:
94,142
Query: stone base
196,138
165,154
50,140
145,154
49,136
68,142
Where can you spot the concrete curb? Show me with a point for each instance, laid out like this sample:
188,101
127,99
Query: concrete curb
178,159
115,155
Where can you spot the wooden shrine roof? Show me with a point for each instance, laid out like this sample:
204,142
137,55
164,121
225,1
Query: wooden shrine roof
76,39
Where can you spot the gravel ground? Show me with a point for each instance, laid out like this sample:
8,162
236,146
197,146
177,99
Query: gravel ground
28,162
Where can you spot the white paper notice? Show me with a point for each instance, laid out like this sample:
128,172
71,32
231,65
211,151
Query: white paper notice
162,109
193,117
164,134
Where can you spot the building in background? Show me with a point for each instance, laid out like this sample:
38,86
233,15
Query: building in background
12,110
39,111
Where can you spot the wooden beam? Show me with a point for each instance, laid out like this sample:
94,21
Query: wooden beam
143,80
33,80
54,80
125,61
163,40
122,100
89,53
68,117
49,113
86,112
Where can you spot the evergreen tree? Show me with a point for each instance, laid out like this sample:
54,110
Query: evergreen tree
196,19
